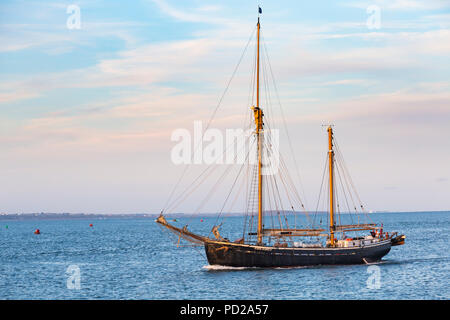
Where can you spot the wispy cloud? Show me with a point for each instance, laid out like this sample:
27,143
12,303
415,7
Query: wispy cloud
402,4
199,14
424,105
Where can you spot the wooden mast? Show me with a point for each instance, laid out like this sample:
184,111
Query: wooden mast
331,171
258,114
257,66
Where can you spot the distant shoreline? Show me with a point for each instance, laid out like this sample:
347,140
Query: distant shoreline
76,216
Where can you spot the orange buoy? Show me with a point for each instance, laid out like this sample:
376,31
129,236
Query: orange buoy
37,231
91,225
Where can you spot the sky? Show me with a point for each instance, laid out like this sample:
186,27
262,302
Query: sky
87,112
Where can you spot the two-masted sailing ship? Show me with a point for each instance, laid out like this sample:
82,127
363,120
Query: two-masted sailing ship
334,243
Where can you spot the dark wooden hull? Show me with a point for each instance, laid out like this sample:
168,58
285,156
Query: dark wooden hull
240,255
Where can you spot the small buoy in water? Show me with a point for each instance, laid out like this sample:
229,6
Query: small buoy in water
37,231
6,227
201,220
91,225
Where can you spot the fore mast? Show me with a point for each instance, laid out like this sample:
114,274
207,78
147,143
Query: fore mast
258,114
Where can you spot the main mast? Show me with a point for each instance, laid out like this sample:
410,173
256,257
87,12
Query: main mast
331,171
258,114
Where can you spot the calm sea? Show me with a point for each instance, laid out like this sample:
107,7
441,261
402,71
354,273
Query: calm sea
136,259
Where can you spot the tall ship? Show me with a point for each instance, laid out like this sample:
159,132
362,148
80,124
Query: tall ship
327,242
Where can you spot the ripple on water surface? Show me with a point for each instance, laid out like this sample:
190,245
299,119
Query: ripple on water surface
135,259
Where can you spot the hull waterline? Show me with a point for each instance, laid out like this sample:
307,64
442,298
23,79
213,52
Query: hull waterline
238,255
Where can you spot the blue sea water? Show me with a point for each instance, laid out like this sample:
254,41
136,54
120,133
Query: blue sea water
122,258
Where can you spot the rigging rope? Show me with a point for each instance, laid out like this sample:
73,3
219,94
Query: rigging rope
284,122
211,118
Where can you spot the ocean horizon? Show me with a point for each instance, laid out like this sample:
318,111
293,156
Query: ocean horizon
82,215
